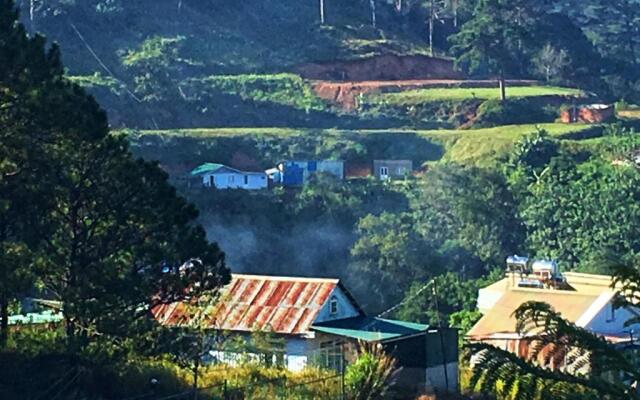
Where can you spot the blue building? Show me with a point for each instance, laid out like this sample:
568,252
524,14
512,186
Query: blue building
297,173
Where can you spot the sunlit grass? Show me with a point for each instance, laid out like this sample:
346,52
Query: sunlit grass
457,94
473,146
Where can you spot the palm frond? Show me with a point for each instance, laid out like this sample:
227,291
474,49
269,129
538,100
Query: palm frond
498,371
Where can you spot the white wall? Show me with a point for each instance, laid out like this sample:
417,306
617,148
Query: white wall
345,308
603,323
296,354
234,180
488,298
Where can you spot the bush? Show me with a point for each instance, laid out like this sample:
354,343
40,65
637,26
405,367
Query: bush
513,112
372,375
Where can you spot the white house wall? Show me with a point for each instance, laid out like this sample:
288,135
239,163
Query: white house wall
296,355
297,350
232,180
345,308
603,323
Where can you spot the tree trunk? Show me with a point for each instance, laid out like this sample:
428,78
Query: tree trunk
503,90
431,18
322,12
454,5
373,12
32,14
4,321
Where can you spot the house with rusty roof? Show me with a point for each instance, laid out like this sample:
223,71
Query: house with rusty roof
586,300
317,319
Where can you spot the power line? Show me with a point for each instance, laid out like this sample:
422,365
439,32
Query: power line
422,289
102,64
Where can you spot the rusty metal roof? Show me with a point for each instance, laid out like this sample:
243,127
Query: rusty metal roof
284,305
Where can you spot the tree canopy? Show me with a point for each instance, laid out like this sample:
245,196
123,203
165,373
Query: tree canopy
100,231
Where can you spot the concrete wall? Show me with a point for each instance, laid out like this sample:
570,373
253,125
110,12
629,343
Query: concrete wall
394,168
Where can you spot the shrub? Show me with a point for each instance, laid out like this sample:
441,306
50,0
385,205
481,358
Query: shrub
372,375
512,112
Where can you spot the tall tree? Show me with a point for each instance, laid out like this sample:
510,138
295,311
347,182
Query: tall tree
498,36
470,207
114,239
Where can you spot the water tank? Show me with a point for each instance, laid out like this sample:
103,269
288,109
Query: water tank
517,263
530,283
545,266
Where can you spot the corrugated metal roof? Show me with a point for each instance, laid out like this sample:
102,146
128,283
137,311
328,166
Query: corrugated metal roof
282,305
45,317
370,329
206,167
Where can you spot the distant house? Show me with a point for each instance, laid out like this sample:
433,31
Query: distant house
590,113
319,323
222,177
392,169
584,299
297,173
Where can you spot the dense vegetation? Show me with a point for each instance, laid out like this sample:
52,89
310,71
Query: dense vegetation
508,190
152,71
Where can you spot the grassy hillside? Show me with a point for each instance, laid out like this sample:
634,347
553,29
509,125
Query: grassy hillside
458,94
224,37
482,147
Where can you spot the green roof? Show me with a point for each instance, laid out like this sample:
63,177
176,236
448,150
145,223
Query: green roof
206,167
45,317
370,329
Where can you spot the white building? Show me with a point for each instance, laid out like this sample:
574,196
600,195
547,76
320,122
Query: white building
317,321
586,300
222,177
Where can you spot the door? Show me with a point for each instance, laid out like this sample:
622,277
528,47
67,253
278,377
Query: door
384,173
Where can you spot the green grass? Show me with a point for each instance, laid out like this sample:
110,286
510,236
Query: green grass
458,94
484,147
481,147
629,114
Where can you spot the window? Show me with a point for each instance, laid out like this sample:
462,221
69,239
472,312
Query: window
333,306
212,181
246,179
231,178
384,172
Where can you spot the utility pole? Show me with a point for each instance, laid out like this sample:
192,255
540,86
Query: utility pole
442,347
322,12
342,370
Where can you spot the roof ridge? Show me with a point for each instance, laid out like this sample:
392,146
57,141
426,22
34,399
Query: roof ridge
552,292
284,278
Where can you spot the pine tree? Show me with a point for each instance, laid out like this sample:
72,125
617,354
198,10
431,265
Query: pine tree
111,238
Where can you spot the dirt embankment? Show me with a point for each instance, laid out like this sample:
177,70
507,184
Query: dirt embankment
382,68
345,94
